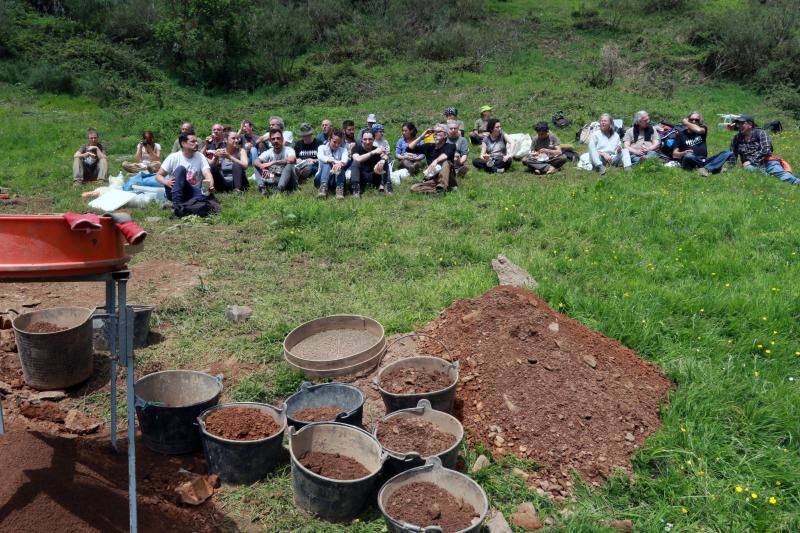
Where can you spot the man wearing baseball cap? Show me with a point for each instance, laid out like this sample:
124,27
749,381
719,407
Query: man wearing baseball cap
753,147
306,152
479,133
371,121
450,114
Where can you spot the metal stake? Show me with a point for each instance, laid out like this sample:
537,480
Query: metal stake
126,357
111,311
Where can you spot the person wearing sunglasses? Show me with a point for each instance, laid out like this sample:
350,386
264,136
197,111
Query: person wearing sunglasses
691,149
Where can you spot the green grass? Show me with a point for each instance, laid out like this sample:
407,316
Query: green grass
698,275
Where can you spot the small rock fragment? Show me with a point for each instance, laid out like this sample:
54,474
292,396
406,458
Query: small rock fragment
470,317
626,526
589,360
553,326
8,342
509,404
196,491
480,463
526,517
52,395
152,220
497,523
5,388
238,313
77,422
520,472
629,437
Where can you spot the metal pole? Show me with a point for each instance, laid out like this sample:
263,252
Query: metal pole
2,426
126,349
111,310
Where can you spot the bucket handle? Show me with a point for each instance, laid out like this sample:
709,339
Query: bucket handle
218,378
416,334
9,311
142,404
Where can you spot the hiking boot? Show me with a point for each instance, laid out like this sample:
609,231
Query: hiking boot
355,190
628,169
703,171
500,170
340,193
387,189
323,190
603,170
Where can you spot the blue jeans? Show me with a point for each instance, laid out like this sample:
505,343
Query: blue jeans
183,191
325,175
774,168
636,159
712,164
142,178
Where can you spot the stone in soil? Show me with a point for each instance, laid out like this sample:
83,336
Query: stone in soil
578,396
44,327
241,423
334,344
426,504
333,465
412,380
407,434
317,414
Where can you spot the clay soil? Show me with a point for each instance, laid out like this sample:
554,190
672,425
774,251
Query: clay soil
44,327
317,414
333,465
540,385
406,434
51,483
426,504
241,423
410,380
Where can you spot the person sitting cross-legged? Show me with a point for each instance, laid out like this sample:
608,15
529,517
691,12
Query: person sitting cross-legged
496,149
439,174
333,158
306,151
545,156
370,166
642,140
276,165
691,149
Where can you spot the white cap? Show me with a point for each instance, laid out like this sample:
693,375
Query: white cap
372,118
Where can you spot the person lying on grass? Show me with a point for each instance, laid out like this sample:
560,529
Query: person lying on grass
496,150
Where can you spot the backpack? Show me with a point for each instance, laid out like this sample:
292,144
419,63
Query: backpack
583,135
560,120
201,206
668,134
775,126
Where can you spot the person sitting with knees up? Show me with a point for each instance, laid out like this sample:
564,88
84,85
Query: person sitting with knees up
605,147
333,159
691,148
407,159
185,174
370,166
306,151
545,156
277,165
90,163
248,140
481,129
148,156
232,163
496,149
439,174
455,138
642,140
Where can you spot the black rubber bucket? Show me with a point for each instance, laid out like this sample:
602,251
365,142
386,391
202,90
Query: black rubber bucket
101,326
348,398
441,400
59,359
242,462
168,404
334,499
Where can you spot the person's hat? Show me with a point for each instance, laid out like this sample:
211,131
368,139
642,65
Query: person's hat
451,111
745,118
371,118
541,126
306,129
377,127
485,108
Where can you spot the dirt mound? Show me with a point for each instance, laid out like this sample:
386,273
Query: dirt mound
52,483
540,385
241,423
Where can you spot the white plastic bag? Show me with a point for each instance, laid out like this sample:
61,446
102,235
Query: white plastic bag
522,144
116,182
585,162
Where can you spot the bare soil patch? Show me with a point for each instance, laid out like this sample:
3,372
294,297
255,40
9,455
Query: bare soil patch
317,414
333,465
426,504
241,423
540,385
407,434
410,380
44,327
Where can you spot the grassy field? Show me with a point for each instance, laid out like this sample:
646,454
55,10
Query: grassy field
697,275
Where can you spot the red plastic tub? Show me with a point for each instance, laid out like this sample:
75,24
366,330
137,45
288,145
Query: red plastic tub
44,246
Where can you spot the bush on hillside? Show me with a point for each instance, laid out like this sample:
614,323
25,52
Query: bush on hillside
49,78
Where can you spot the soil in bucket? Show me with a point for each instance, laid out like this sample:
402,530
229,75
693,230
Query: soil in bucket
410,380
333,465
44,327
241,423
403,434
317,414
426,504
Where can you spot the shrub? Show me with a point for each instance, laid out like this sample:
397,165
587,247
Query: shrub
609,67
49,78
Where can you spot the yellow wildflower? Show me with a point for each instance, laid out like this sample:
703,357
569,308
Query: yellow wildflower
754,495
773,500
739,488
684,510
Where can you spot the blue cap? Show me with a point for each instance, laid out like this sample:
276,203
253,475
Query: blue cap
377,127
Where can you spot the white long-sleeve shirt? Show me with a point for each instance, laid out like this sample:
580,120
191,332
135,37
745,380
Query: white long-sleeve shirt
599,142
326,155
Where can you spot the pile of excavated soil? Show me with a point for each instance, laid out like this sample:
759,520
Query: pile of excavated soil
426,504
317,414
241,423
51,483
540,385
333,465
408,434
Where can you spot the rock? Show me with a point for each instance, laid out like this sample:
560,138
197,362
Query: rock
509,404
470,317
498,440
8,342
32,303
5,322
553,326
526,517
238,313
152,220
589,360
77,422
629,437
510,274
52,395
196,491
5,388
520,472
626,526
480,463
497,523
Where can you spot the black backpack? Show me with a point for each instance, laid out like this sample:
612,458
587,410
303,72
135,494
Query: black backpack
201,206
775,126
560,120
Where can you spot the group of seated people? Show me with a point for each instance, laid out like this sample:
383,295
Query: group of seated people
339,159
